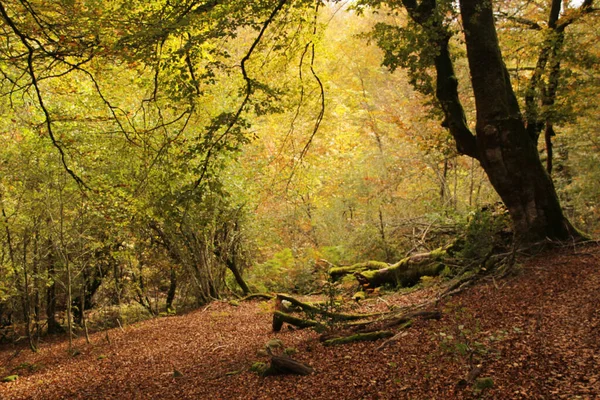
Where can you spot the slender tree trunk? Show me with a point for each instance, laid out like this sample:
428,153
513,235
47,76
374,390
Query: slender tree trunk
83,320
116,276
24,286
443,183
53,326
25,294
172,289
506,152
237,275
37,285
69,308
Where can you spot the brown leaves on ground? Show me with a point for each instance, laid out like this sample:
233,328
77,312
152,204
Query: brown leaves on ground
533,336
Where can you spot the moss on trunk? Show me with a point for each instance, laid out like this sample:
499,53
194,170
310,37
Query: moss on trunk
407,271
338,272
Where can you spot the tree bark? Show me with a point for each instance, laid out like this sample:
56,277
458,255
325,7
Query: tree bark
506,152
232,266
282,365
280,317
407,272
92,279
337,273
172,289
53,326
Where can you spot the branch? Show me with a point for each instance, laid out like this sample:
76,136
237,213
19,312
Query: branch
446,82
585,8
249,91
319,119
522,21
34,81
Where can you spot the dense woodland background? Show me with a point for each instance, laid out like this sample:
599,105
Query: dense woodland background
159,155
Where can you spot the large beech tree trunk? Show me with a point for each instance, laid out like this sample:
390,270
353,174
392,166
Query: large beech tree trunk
506,152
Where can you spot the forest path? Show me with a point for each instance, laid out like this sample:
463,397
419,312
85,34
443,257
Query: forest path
535,335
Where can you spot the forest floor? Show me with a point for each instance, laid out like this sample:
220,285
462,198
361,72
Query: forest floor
536,335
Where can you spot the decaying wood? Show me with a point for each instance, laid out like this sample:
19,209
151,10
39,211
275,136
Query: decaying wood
406,272
338,272
283,365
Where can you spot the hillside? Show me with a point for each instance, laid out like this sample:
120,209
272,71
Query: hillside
534,334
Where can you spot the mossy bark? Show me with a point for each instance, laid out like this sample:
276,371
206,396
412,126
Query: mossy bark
407,271
338,272
507,153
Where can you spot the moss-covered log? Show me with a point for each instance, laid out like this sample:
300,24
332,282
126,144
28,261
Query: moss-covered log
338,272
280,317
359,337
407,271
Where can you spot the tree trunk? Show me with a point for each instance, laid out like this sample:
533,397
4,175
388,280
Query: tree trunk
172,289
506,152
231,265
91,283
53,326
406,272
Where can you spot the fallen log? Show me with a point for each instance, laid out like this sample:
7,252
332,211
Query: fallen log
359,337
283,365
338,272
406,272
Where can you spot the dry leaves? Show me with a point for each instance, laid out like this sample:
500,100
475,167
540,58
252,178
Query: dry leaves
536,335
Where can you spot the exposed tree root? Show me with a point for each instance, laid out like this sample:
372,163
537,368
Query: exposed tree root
315,310
358,337
280,317
254,296
397,336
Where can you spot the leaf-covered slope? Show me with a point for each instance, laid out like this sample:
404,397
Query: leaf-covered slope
533,336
